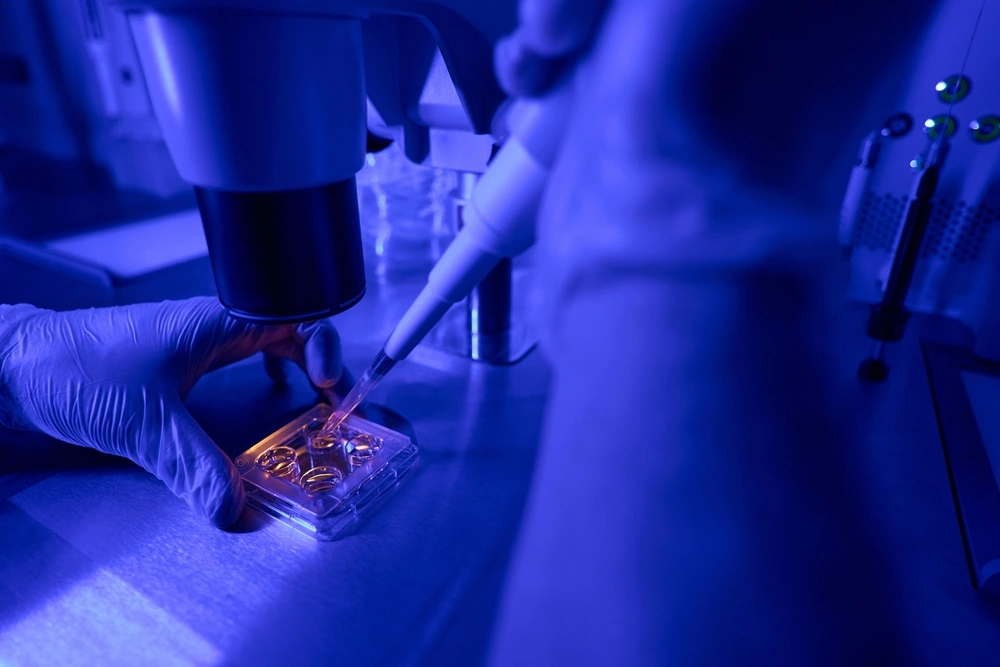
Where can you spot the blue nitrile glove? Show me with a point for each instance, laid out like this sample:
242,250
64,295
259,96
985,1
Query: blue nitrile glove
696,498
115,379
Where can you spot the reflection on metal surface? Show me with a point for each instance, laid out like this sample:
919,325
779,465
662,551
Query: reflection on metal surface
486,326
115,618
456,335
489,309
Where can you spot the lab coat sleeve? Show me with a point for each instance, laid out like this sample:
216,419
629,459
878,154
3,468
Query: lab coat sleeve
698,497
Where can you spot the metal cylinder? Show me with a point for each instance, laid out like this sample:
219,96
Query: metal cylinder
488,307
287,256
254,102
489,316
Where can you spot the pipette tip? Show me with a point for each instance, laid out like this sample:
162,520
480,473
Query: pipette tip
378,369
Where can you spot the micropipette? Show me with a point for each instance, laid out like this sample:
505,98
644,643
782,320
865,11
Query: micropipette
498,222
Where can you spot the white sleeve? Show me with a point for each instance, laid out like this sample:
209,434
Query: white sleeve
697,496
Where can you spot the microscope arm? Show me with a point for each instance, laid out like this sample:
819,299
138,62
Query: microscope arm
262,104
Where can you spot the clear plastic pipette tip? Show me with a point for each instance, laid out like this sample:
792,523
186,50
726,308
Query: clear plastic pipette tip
369,379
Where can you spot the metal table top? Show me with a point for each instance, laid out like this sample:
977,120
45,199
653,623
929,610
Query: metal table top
101,564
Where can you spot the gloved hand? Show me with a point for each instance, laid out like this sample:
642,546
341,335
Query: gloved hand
115,379
549,37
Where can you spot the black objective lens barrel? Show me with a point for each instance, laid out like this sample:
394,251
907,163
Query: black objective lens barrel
288,256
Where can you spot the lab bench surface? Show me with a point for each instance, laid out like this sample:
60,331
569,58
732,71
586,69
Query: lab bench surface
101,564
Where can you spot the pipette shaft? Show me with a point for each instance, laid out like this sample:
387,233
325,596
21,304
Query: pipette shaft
369,379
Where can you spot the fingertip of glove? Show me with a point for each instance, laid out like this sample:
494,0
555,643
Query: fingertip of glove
224,501
275,369
230,510
324,363
519,71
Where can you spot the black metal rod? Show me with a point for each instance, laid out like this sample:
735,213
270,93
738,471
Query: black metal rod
489,316
488,310
911,239
490,302
887,319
